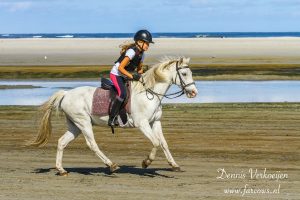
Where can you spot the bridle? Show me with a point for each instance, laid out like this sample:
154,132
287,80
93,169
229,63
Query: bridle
183,86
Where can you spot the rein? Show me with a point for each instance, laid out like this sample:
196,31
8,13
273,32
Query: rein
170,96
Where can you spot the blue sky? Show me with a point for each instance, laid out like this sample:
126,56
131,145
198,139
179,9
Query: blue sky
98,16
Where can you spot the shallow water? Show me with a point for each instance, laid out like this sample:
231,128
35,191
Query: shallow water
209,91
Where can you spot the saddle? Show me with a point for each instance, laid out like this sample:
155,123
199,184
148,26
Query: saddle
104,97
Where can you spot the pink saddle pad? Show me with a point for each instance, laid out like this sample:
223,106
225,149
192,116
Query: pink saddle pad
101,102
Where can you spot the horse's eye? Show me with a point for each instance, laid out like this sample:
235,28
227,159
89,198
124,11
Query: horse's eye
183,74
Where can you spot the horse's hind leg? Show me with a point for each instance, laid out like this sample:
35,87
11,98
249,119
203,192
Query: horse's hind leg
70,135
87,131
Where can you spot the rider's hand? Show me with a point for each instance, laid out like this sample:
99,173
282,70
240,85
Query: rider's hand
136,76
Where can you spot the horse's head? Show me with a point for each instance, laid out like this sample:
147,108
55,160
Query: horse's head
181,75
170,71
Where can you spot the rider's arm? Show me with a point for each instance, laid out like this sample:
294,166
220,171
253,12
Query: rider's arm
140,68
122,66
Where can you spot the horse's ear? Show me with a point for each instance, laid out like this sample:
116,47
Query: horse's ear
186,60
181,60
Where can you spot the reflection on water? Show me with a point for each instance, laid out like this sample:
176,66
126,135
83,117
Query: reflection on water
209,91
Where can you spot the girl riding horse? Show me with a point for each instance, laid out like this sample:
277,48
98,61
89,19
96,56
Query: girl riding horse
128,66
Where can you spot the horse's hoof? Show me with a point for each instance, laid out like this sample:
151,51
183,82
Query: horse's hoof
61,172
146,163
65,173
176,169
114,167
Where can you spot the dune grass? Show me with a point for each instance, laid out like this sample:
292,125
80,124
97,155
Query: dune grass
6,87
210,71
50,72
246,71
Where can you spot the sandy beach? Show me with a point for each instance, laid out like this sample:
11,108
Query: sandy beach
38,51
238,138
202,137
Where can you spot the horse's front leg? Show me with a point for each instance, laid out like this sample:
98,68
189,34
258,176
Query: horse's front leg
145,127
149,158
157,130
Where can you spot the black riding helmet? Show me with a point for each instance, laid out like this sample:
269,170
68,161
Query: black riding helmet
143,35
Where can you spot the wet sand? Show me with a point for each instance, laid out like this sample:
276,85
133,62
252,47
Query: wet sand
202,137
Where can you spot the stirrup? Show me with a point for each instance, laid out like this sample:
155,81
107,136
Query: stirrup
112,130
114,122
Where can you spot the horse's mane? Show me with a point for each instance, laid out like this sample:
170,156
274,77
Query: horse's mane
156,73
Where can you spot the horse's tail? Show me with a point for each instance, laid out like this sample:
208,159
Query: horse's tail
45,128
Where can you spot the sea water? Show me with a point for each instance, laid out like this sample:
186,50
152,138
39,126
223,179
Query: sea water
155,35
208,91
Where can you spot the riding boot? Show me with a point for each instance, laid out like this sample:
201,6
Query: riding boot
115,108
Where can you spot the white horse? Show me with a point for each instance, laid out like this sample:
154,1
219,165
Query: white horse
146,111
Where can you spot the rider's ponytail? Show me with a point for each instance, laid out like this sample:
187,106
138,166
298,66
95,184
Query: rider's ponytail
126,45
